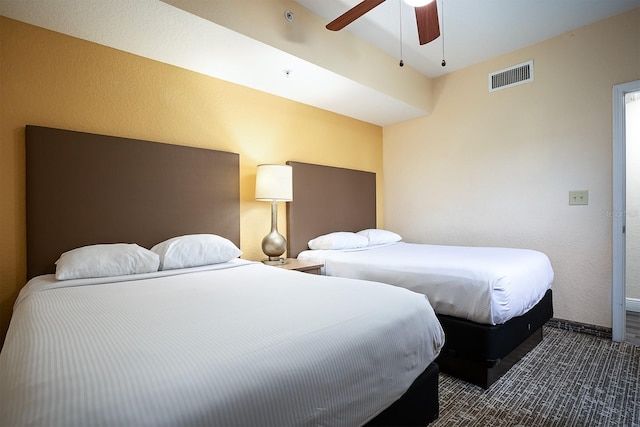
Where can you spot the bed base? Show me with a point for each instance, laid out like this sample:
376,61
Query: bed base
418,406
484,376
481,354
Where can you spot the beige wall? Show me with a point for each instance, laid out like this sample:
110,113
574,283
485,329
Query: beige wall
496,168
49,79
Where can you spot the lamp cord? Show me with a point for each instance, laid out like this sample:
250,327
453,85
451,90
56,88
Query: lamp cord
444,63
400,16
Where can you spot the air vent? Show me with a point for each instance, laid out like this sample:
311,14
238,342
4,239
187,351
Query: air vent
512,76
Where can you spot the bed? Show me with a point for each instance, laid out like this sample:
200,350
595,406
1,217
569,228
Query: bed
491,302
184,331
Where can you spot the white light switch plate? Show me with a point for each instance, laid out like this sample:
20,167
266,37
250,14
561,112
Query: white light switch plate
579,197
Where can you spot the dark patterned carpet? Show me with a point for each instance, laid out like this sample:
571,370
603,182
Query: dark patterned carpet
570,379
633,327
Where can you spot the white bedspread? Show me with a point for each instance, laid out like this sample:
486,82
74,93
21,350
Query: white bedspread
485,285
243,346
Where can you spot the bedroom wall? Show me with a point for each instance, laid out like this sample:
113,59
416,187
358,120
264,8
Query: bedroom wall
495,169
49,79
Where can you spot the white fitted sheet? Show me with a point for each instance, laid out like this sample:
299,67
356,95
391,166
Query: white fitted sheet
242,344
487,285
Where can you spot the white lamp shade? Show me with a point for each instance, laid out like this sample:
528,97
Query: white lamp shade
274,183
417,3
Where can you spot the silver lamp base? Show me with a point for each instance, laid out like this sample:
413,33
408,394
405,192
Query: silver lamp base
276,261
274,243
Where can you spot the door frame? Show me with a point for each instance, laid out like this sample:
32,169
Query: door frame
618,292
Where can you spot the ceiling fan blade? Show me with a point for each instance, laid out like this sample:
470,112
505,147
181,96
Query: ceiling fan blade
352,14
427,20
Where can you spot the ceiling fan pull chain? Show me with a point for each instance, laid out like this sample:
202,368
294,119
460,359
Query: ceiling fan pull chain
400,13
444,63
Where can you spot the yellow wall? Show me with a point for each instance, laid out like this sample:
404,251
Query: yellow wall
48,79
495,169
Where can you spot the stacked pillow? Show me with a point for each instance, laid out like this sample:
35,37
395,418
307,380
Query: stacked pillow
116,259
349,240
378,236
195,250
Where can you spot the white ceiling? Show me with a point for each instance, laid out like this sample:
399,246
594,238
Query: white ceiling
474,30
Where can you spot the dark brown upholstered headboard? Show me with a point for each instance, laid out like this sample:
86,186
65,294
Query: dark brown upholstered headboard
328,199
86,189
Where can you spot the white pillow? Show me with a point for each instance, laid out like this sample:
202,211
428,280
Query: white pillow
117,259
377,236
338,240
194,250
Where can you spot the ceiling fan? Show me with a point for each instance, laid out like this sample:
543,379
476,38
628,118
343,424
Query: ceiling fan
426,17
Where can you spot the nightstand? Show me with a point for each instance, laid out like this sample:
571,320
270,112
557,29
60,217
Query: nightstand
304,266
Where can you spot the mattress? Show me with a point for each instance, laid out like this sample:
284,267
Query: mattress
487,285
237,344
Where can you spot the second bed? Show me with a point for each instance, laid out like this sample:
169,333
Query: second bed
491,302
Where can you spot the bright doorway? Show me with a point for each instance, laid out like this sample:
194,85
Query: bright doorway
626,212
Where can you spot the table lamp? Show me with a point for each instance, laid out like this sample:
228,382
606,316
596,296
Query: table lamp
274,184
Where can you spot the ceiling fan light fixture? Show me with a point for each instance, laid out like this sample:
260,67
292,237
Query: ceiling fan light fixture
426,17
417,3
